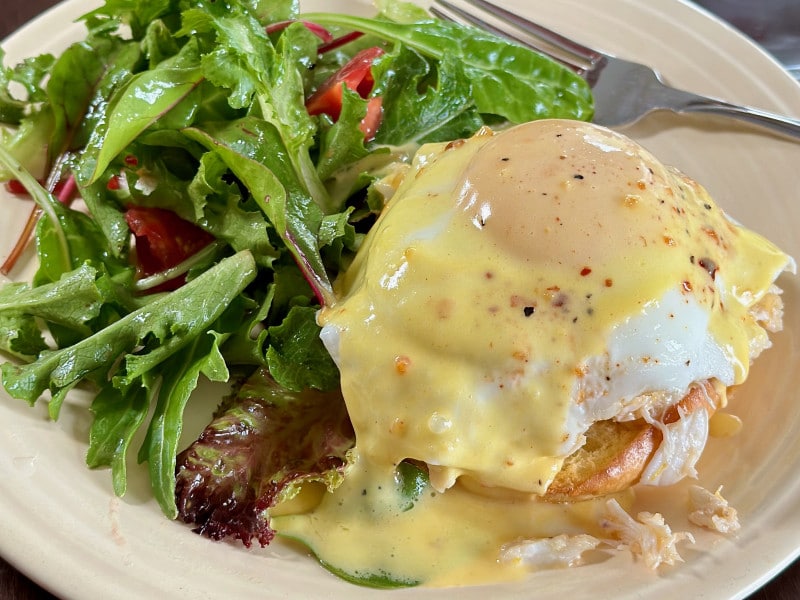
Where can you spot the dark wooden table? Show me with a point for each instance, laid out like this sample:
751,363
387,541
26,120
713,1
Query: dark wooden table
782,36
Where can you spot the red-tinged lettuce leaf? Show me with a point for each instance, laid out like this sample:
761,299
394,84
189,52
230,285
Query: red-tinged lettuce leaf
263,443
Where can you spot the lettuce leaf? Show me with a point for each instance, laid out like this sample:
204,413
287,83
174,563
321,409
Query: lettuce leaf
262,446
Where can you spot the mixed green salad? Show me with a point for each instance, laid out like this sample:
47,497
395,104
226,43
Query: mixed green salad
200,171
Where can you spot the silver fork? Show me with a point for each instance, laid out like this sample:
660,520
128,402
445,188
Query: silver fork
623,91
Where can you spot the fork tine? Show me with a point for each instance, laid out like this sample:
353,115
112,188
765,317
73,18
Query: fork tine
545,40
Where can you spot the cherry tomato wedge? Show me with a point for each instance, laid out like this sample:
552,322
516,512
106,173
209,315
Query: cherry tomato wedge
163,240
356,74
372,120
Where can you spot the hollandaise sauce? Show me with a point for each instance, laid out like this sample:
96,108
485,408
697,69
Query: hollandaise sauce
370,530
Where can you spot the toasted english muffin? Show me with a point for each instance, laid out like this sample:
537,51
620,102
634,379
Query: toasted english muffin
616,452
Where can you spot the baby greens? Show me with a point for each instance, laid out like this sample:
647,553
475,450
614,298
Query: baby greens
200,110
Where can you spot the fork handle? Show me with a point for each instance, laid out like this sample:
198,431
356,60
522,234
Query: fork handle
784,126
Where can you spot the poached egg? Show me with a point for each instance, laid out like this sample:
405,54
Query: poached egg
518,287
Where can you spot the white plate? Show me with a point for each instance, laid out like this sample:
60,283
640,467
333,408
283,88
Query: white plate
61,524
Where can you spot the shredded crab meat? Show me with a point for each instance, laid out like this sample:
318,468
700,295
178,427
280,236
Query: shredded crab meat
712,510
559,551
647,537
680,449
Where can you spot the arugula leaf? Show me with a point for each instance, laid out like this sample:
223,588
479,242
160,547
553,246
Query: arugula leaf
47,301
246,345
180,376
30,73
117,417
20,336
164,326
11,109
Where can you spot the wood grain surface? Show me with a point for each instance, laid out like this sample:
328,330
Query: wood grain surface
14,585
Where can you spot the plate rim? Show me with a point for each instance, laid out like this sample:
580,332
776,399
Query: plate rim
69,7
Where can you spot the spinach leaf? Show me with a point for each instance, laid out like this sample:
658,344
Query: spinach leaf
148,96
381,580
76,84
507,79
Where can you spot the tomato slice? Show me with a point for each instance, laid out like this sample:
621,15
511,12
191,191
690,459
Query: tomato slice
356,74
163,241
372,120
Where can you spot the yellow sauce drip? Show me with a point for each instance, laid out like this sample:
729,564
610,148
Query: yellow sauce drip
444,540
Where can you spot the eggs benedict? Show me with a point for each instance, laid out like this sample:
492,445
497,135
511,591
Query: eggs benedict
540,317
